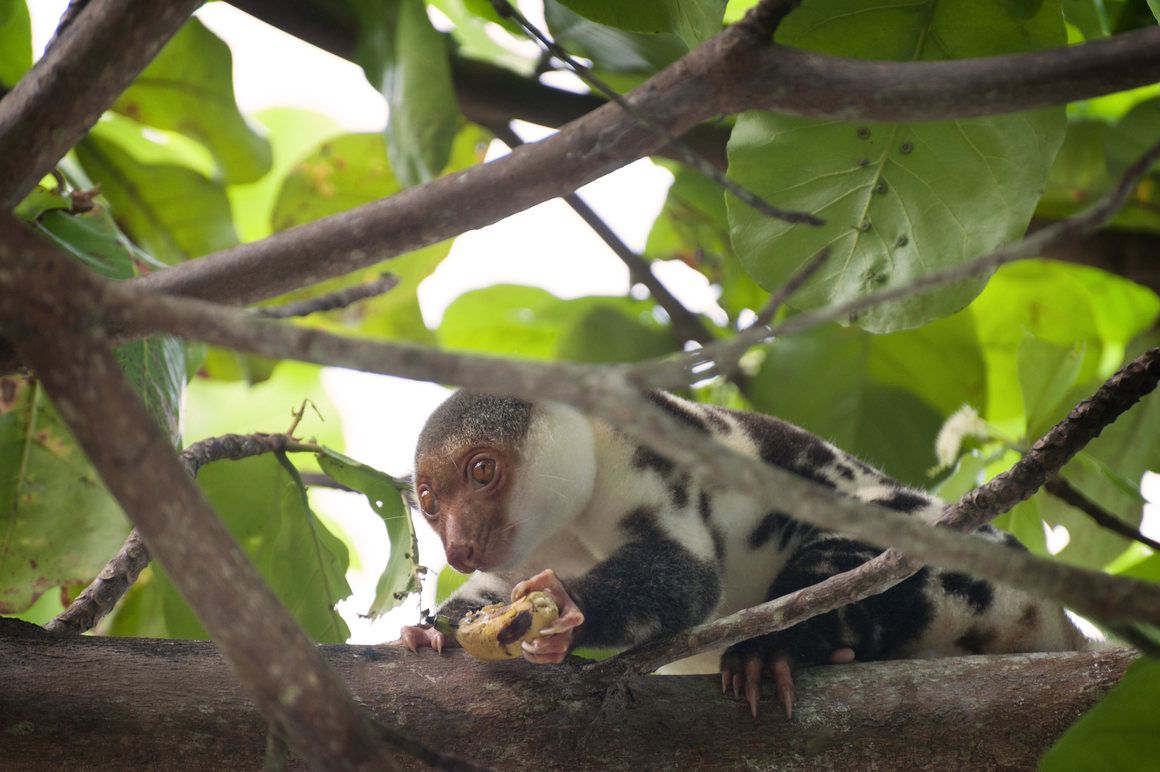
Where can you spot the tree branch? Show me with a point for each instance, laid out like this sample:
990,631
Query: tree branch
50,309
1069,494
688,326
176,706
718,77
49,110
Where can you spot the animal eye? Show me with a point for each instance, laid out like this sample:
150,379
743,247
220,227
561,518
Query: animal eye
428,503
483,471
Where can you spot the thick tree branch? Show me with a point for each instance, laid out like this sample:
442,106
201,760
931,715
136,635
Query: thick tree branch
49,110
49,308
717,77
175,705
122,570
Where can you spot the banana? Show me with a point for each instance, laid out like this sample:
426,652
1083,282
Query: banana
496,632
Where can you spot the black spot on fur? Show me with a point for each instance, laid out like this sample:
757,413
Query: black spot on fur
904,501
844,471
718,544
975,640
668,404
646,458
1029,618
650,586
976,592
770,525
679,491
818,455
705,506
641,523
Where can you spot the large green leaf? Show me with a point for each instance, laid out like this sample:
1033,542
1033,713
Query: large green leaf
264,506
694,21
1122,732
341,174
407,60
189,88
292,134
900,201
15,42
400,578
823,381
1061,304
58,524
172,211
533,323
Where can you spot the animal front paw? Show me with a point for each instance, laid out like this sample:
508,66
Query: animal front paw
555,640
416,637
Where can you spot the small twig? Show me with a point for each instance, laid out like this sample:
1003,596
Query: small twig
122,570
686,324
686,153
332,300
1069,494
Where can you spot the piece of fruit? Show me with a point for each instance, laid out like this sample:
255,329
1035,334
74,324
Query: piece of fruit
496,632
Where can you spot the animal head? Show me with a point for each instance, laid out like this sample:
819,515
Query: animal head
495,476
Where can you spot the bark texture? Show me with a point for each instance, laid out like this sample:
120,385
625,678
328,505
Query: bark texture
96,703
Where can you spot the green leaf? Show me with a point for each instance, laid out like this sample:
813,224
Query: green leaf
900,201
1122,732
172,211
214,408
58,524
530,322
694,21
15,42
341,174
1088,16
292,134
1061,304
1154,6
264,506
406,59
622,58
189,88
821,381
400,578
1047,373
1132,136
1122,452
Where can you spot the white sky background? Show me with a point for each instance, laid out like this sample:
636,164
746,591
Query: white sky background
547,246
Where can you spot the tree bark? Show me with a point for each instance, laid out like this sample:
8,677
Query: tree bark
104,703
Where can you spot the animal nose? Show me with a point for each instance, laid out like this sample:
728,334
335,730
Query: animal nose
461,556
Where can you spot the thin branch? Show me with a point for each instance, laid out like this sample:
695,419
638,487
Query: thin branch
49,110
329,302
670,139
687,325
1069,494
715,78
